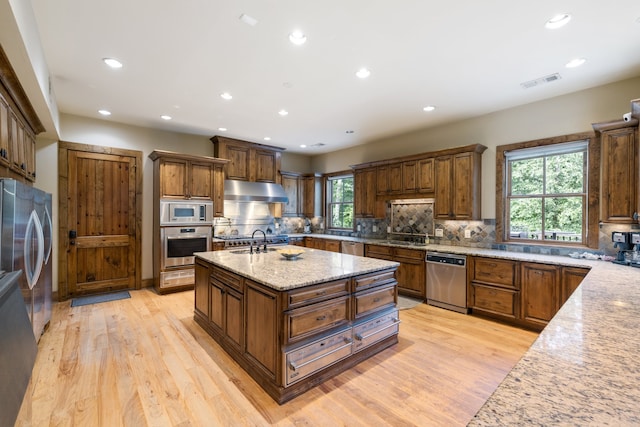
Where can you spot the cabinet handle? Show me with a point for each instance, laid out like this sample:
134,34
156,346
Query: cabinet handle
358,337
320,318
376,300
321,293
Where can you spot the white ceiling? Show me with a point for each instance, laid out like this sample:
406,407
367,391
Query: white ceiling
467,57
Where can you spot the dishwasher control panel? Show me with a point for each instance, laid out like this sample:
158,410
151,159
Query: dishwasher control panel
459,260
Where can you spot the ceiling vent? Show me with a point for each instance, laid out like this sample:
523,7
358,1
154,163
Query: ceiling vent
542,80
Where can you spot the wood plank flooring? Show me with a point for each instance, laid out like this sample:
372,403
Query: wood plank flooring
144,361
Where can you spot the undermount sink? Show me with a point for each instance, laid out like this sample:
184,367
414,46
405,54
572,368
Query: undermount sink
247,251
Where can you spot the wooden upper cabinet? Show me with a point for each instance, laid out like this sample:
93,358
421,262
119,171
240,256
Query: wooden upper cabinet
619,171
395,178
183,176
425,176
458,189
267,168
409,177
291,185
19,125
382,180
4,131
364,187
248,161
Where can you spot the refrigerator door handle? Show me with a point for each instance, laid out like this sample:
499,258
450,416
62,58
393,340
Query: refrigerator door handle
49,224
33,270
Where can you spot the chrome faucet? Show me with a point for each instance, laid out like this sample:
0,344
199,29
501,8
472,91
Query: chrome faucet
264,249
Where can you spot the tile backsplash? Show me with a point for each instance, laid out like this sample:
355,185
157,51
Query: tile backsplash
482,233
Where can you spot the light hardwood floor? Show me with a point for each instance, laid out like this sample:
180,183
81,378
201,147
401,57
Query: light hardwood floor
144,361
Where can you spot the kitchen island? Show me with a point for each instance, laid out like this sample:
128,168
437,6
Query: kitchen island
292,324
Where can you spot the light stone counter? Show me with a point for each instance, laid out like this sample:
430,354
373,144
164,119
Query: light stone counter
312,267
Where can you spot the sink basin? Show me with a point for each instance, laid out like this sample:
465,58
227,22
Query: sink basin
246,251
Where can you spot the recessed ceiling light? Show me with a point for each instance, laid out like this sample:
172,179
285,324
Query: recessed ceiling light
297,37
113,63
165,117
303,145
226,95
558,21
429,108
249,20
267,138
575,63
104,112
222,129
283,112
363,73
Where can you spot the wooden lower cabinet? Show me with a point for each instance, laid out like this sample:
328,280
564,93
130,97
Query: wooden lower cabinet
412,272
524,293
540,293
291,341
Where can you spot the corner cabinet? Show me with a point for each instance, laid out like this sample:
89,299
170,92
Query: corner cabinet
248,161
620,171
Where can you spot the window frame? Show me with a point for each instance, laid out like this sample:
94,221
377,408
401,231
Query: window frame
329,203
590,223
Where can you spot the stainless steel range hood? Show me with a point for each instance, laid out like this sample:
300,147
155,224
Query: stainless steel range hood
245,191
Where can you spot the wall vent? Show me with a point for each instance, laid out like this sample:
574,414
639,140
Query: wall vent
542,80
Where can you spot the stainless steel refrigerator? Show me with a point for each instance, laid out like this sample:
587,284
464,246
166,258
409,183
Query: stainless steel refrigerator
27,229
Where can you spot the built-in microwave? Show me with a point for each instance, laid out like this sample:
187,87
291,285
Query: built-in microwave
185,212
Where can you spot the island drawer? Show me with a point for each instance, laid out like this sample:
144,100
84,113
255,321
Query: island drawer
309,320
317,293
227,278
375,299
495,271
374,330
313,357
494,300
374,279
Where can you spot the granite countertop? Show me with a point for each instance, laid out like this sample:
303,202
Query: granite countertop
312,267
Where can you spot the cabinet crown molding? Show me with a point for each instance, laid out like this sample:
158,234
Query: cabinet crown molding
475,148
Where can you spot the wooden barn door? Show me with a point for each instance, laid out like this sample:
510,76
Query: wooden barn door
99,220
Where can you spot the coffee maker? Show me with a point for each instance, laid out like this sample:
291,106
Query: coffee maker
621,241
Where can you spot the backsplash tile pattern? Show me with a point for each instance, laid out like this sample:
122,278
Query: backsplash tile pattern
483,232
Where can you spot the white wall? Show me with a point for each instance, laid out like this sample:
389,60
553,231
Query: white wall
562,115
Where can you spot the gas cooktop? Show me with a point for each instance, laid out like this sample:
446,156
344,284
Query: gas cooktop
246,240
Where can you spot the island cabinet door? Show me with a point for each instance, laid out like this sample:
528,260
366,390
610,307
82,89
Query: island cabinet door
261,328
307,321
202,289
233,317
216,310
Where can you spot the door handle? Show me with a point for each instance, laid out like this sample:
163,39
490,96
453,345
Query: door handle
72,237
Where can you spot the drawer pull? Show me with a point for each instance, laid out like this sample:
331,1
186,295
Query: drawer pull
391,325
376,299
294,367
321,318
483,273
320,293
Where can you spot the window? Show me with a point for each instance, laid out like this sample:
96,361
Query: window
340,202
546,193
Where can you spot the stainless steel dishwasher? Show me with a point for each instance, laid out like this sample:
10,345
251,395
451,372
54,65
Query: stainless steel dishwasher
447,281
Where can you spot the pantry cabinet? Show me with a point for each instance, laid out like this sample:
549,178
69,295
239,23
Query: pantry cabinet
248,161
620,171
